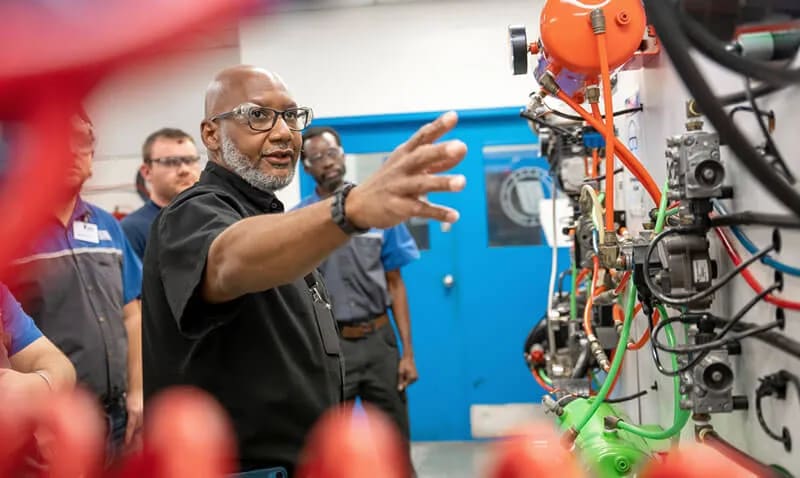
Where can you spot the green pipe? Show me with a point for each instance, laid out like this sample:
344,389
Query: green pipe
622,346
662,209
544,377
680,416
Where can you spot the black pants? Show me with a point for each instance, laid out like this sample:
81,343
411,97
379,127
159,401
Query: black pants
371,374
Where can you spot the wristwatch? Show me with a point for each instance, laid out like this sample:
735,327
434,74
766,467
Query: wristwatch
338,213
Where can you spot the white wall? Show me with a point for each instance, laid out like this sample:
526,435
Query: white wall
135,102
393,58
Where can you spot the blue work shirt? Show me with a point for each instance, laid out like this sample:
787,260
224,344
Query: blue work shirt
355,273
137,226
74,282
15,325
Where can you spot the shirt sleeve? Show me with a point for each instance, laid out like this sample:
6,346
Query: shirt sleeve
136,236
185,233
399,248
18,325
131,267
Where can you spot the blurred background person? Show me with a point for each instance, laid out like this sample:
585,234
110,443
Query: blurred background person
170,164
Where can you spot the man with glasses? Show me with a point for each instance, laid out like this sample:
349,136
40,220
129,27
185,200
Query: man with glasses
170,165
364,280
232,302
80,281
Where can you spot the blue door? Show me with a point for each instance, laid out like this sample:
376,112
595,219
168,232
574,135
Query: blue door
480,285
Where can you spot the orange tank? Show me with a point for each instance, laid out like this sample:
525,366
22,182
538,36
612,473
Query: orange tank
569,41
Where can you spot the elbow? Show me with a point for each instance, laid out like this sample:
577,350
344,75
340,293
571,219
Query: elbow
70,376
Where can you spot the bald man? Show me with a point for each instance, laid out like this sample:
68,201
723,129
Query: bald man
232,301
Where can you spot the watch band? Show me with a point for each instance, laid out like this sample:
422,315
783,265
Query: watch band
338,213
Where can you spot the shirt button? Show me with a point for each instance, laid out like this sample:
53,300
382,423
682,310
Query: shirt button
274,206
89,288
101,319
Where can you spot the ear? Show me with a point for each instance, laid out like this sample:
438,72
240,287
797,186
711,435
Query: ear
209,133
306,165
144,169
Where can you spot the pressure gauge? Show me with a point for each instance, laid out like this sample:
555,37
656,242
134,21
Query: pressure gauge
518,46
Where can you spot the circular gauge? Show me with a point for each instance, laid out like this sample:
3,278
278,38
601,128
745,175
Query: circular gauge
518,45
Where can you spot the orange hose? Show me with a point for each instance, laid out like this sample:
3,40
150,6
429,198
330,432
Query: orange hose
602,48
595,163
624,154
639,344
622,283
541,381
587,312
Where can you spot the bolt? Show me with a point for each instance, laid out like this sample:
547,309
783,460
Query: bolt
716,376
689,141
715,155
709,174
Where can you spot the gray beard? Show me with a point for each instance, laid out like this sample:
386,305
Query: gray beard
242,166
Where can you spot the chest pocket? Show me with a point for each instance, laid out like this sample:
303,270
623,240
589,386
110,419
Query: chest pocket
322,314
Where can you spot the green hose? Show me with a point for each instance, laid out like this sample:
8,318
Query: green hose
680,416
622,345
545,378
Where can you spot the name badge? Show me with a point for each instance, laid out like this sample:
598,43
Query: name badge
85,231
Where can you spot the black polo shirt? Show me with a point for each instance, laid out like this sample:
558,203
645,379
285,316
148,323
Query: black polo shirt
270,358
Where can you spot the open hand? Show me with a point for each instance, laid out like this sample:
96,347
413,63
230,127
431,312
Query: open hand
392,194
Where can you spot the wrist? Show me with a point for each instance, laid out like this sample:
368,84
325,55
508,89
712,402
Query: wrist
353,208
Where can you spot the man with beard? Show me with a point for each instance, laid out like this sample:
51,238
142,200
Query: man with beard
232,302
364,281
170,164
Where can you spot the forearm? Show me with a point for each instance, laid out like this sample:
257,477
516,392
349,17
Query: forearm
57,373
133,325
402,316
269,250
44,359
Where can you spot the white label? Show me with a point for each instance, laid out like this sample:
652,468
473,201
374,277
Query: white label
85,231
104,235
701,273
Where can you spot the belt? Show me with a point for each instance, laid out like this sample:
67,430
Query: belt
362,329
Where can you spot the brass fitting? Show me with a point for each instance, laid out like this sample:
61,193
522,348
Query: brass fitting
593,94
548,82
598,21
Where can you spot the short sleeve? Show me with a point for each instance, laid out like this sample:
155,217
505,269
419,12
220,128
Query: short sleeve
185,233
399,248
136,235
18,325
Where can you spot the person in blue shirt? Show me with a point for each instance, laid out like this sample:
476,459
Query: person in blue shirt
364,281
80,281
170,164
30,364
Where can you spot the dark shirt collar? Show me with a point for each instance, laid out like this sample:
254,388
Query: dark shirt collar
265,201
152,205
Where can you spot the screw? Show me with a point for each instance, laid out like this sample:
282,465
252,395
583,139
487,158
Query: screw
716,376
709,174
689,141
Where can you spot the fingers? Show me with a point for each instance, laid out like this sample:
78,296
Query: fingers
408,207
436,158
130,428
423,184
431,132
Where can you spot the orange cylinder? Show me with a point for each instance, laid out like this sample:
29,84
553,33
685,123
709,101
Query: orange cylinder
569,41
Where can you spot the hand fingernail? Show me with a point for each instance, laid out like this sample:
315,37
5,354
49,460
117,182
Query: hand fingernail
457,183
452,216
455,148
450,117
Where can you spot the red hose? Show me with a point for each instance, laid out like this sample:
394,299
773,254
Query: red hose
624,154
749,278
541,382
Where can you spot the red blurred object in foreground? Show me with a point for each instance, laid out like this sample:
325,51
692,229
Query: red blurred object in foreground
186,434
348,443
534,451
695,461
64,435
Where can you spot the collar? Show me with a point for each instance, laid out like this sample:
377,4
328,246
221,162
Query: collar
81,212
266,201
153,205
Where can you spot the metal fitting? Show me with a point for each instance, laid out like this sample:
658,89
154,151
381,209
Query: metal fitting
569,437
599,354
552,406
548,82
593,94
598,21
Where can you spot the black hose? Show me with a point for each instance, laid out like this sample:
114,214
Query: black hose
531,117
582,364
677,47
537,335
640,393
570,117
740,97
750,218
773,339
710,46
771,147
748,462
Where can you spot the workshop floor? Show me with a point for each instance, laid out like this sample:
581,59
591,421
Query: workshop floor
450,459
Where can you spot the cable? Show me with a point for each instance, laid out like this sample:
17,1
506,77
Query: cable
601,177
578,118
771,147
748,277
750,218
710,46
773,339
685,299
536,375
639,394
712,439
677,46
758,91
718,343
745,241
624,154
769,115
553,259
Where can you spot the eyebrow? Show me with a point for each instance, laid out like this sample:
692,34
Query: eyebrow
262,102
